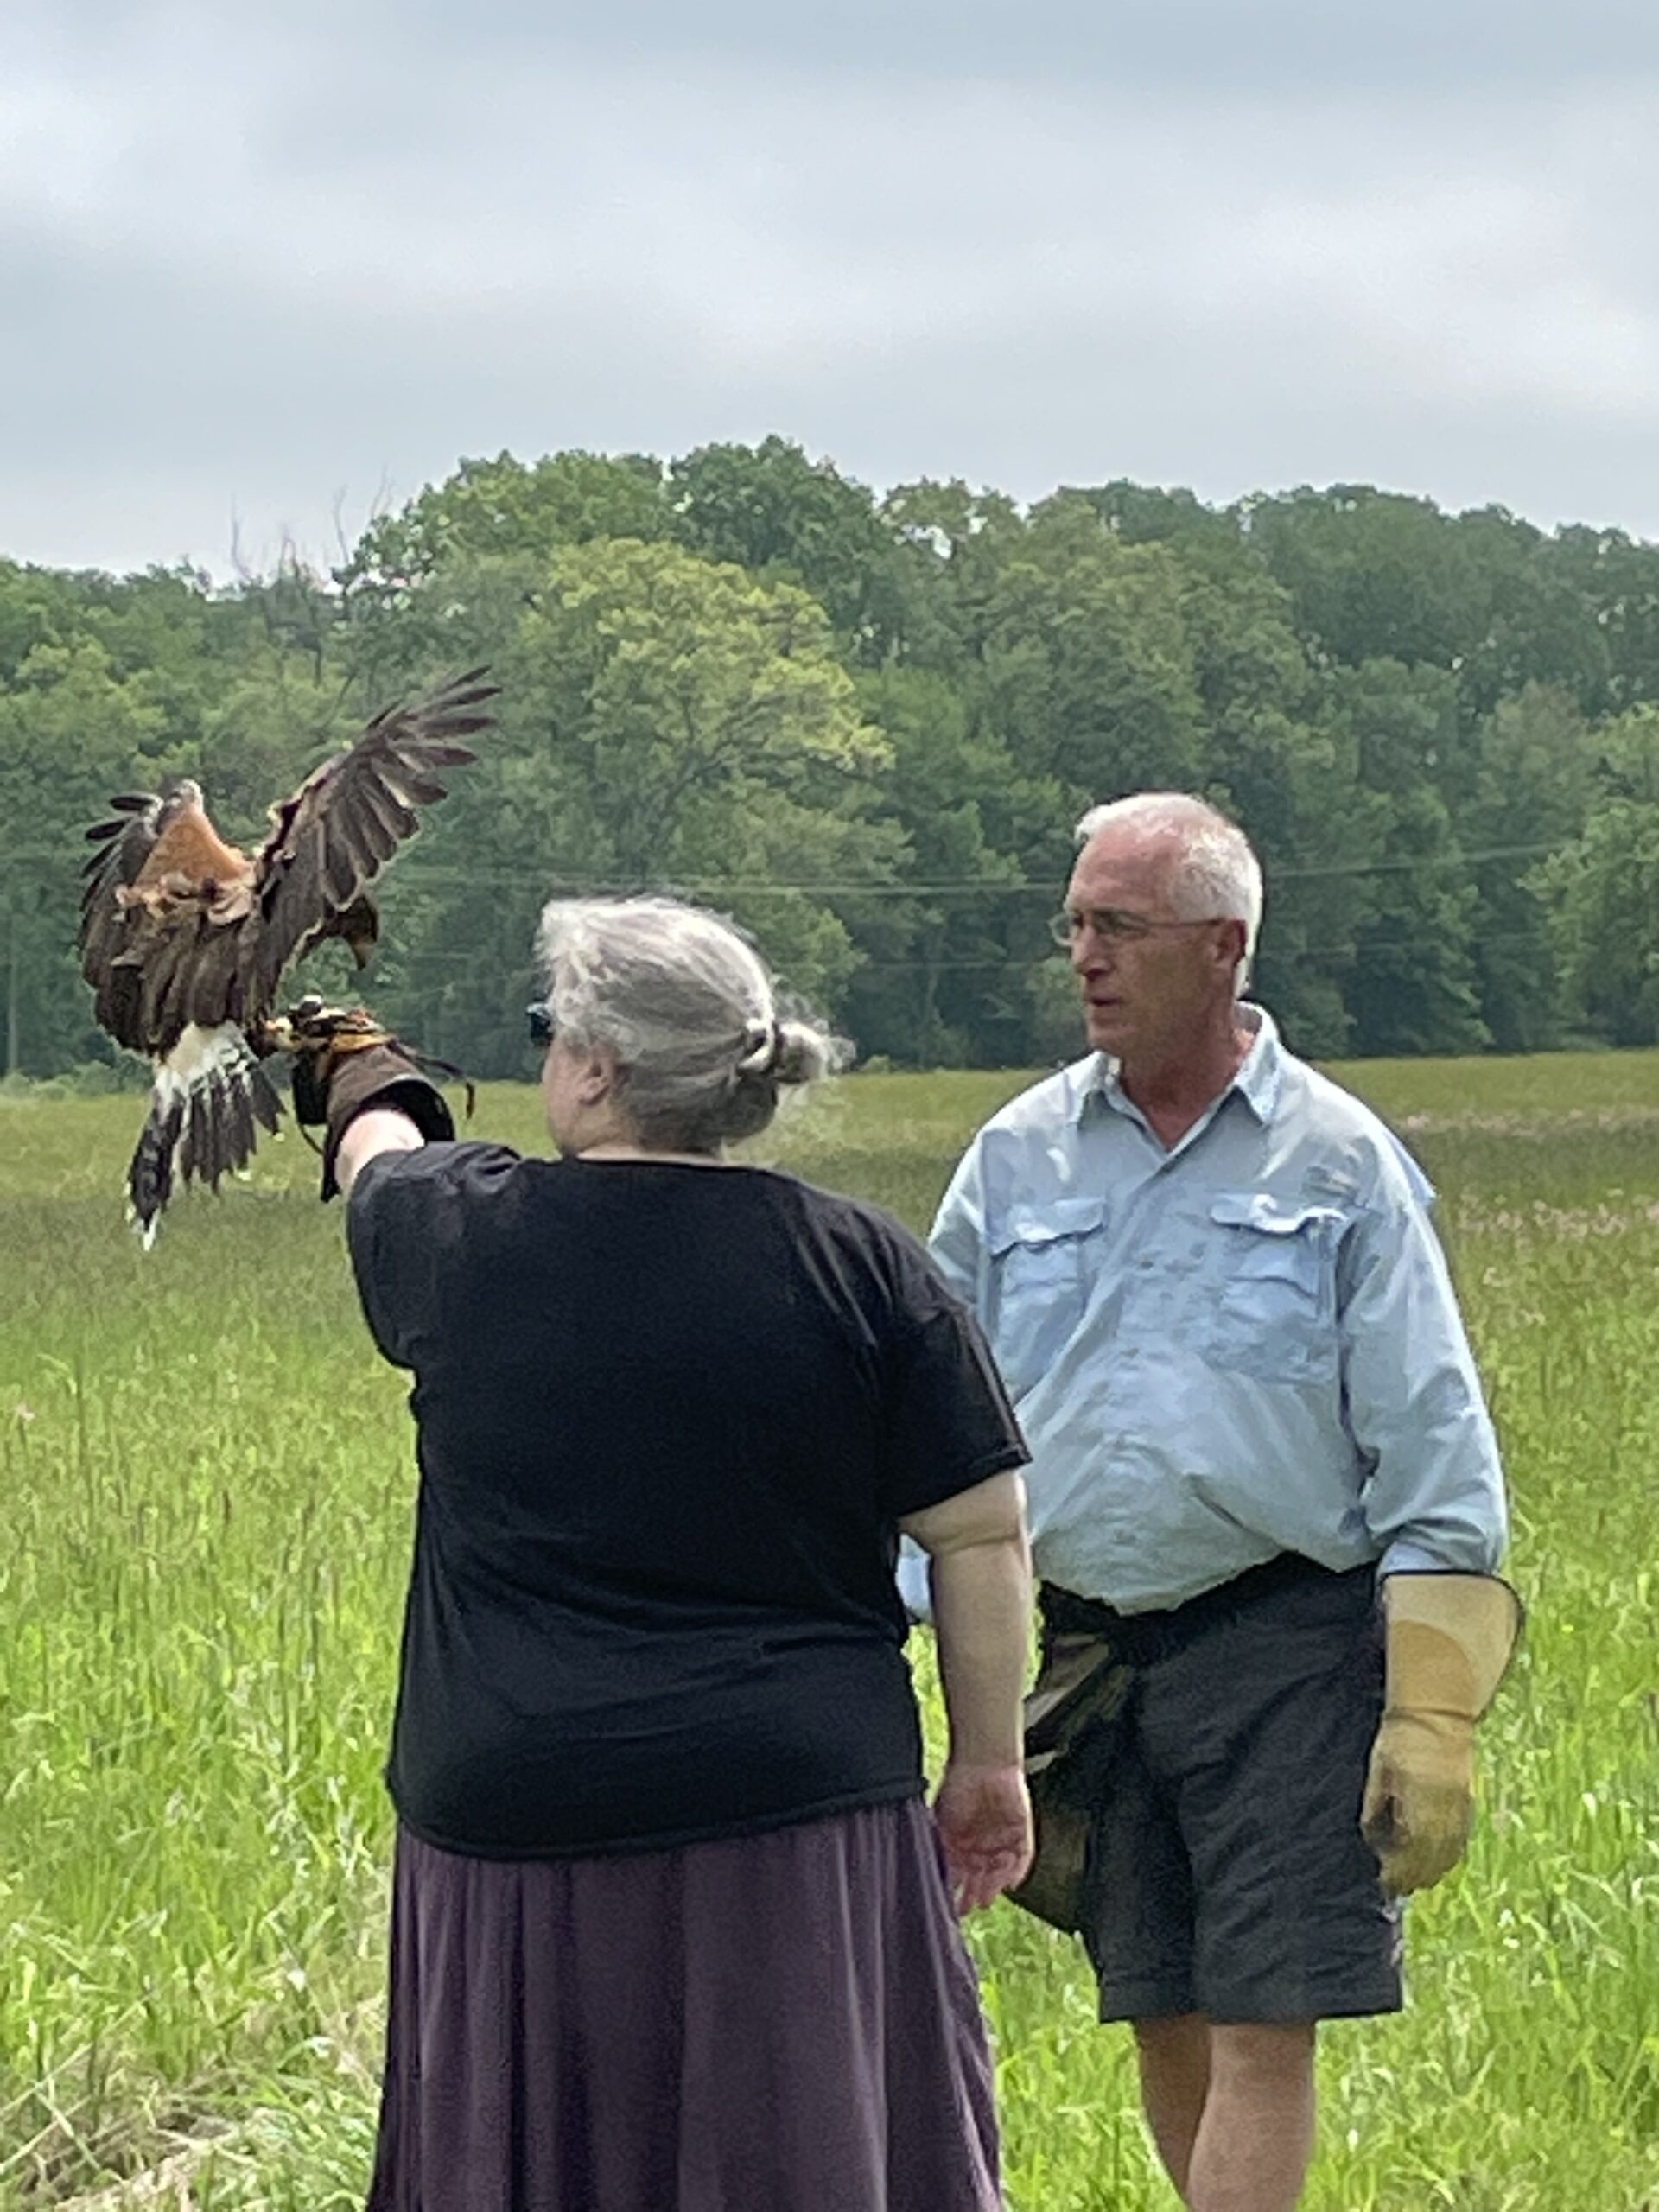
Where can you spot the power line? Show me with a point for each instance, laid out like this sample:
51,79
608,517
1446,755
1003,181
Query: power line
414,870
417,871
412,959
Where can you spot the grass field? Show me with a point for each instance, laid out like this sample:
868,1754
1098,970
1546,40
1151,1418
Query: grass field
205,1483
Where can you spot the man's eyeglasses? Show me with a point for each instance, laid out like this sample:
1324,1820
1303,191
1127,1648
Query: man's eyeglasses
1114,926
540,1018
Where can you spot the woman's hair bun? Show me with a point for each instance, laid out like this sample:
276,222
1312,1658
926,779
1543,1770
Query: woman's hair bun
805,1053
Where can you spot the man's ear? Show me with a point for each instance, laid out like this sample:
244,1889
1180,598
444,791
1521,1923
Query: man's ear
1233,937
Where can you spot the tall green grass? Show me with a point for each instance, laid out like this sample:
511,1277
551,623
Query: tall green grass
206,1484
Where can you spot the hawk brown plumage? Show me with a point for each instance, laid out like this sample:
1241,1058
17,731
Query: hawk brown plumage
186,940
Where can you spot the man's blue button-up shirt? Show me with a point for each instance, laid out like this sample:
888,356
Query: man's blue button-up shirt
1245,1345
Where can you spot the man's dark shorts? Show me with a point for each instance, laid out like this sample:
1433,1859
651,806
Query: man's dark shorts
1227,1874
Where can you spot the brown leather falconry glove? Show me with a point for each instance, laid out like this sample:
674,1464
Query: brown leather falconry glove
344,1063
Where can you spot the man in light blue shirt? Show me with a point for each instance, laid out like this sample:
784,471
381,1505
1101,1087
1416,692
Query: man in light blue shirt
1210,1282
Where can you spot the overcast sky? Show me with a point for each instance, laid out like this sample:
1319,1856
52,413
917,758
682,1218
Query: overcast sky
263,269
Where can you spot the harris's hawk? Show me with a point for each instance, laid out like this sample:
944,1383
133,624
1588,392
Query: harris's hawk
186,940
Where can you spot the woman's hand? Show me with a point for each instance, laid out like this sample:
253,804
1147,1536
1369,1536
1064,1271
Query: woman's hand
983,1815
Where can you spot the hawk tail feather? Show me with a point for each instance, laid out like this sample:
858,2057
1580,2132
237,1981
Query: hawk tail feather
211,1096
149,1177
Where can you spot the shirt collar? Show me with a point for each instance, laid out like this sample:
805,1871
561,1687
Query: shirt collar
1258,1081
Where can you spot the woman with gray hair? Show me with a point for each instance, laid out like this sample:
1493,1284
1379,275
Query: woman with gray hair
672,1924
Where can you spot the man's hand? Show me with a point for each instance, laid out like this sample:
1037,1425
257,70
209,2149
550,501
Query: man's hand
1449,1640
1420,1799
984,1821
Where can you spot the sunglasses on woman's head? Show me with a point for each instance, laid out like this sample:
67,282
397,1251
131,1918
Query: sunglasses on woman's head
540,1018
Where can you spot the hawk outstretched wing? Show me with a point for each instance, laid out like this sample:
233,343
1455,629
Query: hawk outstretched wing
330,841
127,842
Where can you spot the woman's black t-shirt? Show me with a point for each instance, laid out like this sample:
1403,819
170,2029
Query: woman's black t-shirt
669,1415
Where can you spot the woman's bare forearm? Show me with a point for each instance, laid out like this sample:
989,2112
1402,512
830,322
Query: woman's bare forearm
982,1612
980,1570
378,1128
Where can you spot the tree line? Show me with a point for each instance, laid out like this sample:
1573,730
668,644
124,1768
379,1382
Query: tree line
864,725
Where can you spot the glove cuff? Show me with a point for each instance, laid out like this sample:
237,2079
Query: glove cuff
380,1074
1450,1641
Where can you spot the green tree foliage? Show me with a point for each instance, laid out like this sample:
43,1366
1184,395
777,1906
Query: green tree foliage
1532,787
1089,667
505,507
770,509
1603,888
955,542
1412,987
946,981
501,513
1371,576
865,725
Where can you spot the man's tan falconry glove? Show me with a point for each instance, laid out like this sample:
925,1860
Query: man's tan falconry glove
1450,1638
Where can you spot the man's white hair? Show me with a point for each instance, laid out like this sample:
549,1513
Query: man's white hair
1217,876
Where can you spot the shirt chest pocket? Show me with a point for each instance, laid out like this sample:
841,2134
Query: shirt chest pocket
1270,1308
1043,1265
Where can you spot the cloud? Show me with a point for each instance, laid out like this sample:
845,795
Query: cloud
263,267
1226,46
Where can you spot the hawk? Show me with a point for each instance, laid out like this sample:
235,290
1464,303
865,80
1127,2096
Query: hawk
186,940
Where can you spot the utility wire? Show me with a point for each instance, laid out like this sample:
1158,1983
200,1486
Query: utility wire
442,875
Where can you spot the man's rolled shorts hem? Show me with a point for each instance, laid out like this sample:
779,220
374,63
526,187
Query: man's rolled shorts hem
1169,2000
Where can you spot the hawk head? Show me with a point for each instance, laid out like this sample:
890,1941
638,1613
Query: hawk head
179,794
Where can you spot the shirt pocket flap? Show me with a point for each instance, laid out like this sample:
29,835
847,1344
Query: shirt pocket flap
1272,1217
1287,1242
1031,1227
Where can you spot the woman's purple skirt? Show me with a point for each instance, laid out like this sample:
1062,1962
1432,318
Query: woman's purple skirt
779,2023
